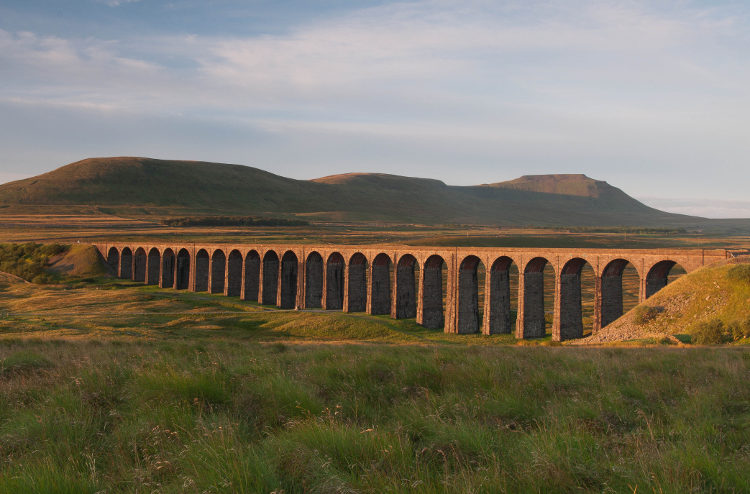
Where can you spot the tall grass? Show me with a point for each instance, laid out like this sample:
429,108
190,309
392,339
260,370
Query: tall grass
249,417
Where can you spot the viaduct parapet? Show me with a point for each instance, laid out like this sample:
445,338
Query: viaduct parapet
437,286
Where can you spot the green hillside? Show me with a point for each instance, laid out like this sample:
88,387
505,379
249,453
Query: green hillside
717,292
223,188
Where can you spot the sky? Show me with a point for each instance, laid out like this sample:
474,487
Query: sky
652,97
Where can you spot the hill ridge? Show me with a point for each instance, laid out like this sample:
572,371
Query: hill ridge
559,199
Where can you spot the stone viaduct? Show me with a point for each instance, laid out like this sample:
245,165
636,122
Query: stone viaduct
408,282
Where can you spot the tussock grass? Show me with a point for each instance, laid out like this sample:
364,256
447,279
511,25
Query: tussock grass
250,417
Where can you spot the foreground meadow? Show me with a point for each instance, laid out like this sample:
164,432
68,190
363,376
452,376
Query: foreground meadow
213,416
111,386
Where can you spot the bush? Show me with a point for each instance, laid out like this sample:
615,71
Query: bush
740,272
644,314
739,329
28,261
709,332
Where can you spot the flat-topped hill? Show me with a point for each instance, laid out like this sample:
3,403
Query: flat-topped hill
570,184
237,189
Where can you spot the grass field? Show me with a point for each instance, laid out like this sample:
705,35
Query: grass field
74,225
113,386
213,416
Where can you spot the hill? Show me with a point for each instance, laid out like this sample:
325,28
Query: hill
218,188
714,292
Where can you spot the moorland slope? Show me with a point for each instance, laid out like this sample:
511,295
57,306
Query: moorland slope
218,187
717,292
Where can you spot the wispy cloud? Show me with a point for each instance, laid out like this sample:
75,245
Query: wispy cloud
116,3
612,89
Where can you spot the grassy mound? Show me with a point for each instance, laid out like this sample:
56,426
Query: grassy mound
80,261
713,298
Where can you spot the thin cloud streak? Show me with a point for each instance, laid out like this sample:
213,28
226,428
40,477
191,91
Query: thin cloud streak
615,90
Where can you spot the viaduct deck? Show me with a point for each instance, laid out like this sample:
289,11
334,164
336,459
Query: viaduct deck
408,282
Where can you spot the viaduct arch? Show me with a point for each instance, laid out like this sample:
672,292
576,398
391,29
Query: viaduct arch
437,286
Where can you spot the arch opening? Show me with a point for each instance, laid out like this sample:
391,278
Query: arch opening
503,273
182,270
234,274
406,288
314,281
537,288
616,278
126,263
251,286
270,276
153,267
140,261
576,274
288,288
468,295
113,259
335,282
218,272
202,266
433,293
662,274
357,284
380,288
167,269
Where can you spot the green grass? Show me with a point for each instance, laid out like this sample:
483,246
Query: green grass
210,416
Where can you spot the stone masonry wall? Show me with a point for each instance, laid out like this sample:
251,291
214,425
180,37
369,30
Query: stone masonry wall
335,286
218,265
288,292
468,302
406,296
167,271
499,302
533,305
611,299
154,268
126,266
381,289
201,272
234,275
432,307
270,280
113,259
571,325
252,277
314,281
357,287
182,273
139,271
653,285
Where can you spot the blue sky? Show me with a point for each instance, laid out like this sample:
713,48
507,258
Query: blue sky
653,97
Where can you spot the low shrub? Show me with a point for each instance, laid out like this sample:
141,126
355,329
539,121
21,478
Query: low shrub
739,329
711,332
740,272
644,314
28,261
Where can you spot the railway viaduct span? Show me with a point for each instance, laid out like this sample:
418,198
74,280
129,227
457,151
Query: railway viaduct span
437,286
